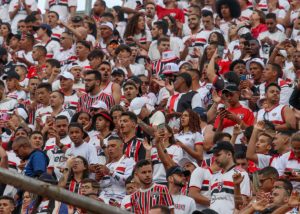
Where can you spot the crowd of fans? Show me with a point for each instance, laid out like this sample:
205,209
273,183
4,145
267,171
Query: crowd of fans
155,106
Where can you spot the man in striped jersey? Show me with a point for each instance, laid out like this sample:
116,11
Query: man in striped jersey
150,194
92,87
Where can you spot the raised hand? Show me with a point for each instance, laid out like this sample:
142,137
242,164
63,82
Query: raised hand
237,178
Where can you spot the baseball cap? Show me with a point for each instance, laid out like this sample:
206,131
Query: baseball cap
100,104
11,74
46,27
282,53
230,88
184,161
177,170
170,68
223,145
74,65
107,24
255,60
107,117
66,75
208,211
22,112
168,56
47,178
137,104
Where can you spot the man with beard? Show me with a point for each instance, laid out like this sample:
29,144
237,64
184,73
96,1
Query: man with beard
197,39
222,186
92,81
133,146
107,86
280,115
57,144
154,194
176,180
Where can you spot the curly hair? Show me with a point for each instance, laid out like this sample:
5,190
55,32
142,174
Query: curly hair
234,7
194,121
131,27
221,39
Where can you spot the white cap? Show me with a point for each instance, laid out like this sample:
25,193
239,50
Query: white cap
21,112
170,68
107,24
183,161
67,75
100,104
74,65
168,56
137,104
283,53
256,60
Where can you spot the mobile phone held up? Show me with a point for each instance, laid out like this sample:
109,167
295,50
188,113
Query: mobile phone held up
220,50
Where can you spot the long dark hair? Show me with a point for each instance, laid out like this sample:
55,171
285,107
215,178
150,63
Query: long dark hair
10,34
204,58
37,203
194,121
85,172
120,13
171,139
132,26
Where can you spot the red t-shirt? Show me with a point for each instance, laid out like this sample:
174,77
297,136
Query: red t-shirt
176,13
259,29
243,113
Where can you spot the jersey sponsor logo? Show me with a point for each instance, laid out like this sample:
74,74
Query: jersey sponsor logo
179,207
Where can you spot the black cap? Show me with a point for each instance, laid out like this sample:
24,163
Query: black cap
223,145
45,27
177,170
3,51
118,71
230,88
208,211
47,178
12,74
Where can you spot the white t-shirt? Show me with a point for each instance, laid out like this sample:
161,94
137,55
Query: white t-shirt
176,45
222,190
201,178
4,15
159,171
85,150
61,7
114,186
183,204
189,139
21,14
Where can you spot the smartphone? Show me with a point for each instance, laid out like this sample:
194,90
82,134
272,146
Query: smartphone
220,50
221,107
161,126
243,77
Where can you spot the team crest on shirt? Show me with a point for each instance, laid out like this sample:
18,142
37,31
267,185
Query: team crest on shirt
241,116
155,195
274,114
220,186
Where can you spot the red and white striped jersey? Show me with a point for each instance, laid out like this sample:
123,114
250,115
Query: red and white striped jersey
275,115
201,178
222,190
144,199
113,187
134,149
159,171
86,101
74,186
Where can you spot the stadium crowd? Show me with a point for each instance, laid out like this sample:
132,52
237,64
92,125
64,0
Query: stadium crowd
154,106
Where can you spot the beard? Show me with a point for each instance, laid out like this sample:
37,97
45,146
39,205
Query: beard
178,183
89,89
